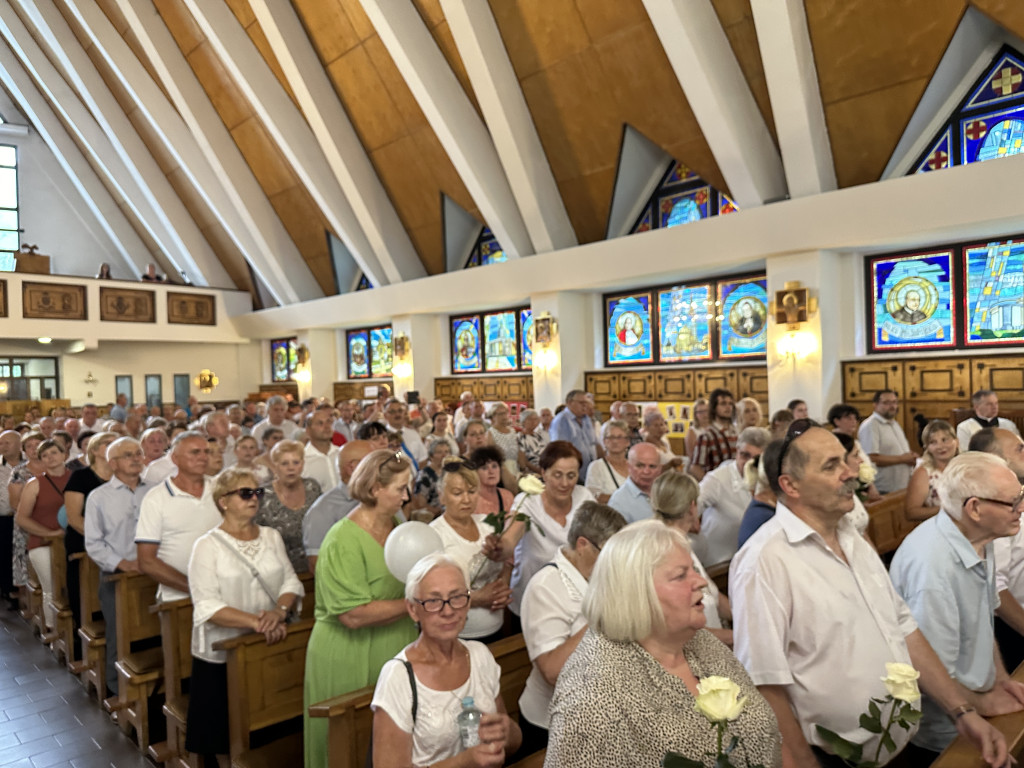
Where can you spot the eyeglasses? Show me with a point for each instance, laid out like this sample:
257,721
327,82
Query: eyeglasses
1011,504
436,604
247,493
796,429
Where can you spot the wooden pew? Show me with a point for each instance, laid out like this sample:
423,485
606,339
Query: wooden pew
350,721
536,760
92,669
266,684
887,524
138,673
62,639
30,600
176,640
964,754
309,592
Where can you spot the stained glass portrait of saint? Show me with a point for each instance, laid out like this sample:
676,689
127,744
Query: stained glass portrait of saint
911,306
380,352
500,341
994,299
743,313
629,329
684,323
279,360
358,355
526,337
466,345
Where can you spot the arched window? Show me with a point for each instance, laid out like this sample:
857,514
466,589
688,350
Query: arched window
681,197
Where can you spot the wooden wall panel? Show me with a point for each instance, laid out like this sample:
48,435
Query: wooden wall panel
674,385
636,386
862,378
516,387
1004,375
931,379
708,379
603,385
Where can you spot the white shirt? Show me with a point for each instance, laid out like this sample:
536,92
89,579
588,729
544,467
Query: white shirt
969,427
885,437
412,446
536,548
806,620
1009,556
322,467
724,498
711,618
220,576
552,612
290,428
602,478
159,470
174,519
481,621
435,736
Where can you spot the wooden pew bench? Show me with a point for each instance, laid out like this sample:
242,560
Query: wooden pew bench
350,720
536,760
309,600
887,525
964,754
92,669
62,639
175,619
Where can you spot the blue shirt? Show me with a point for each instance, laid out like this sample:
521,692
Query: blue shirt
111,516
758,513
952,593
630,502
566,427
325,512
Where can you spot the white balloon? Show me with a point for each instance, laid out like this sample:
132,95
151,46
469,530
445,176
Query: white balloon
407,544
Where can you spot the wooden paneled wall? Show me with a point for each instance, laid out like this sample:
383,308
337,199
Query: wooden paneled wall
677,385
516,388
356,390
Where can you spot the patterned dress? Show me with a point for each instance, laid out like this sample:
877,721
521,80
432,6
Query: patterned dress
288,522
19,542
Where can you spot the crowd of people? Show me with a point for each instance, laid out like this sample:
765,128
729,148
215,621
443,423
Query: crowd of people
592,538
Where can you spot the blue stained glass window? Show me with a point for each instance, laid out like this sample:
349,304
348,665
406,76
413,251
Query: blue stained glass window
364,283
487,250
682,197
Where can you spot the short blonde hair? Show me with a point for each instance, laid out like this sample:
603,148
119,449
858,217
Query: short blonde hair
455,466
741,406
621,602
378,467
672,496
231,480
287,446
96,442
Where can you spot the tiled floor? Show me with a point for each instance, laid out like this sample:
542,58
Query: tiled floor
46,718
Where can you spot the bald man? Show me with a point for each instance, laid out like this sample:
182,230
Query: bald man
633,498
333,505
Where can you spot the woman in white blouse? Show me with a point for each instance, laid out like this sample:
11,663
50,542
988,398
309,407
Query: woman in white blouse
604,476
241,581
419,693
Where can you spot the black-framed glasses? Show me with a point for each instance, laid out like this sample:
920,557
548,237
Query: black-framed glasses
436,604
247,493
1011,504
796,429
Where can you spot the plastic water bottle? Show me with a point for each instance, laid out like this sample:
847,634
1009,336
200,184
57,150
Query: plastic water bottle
469,723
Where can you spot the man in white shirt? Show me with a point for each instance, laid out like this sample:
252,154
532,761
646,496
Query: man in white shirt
815,614
346,424
632,499
217,426
321,456
277,412
986,414
333,505
174,514
90,415
395,414
883,440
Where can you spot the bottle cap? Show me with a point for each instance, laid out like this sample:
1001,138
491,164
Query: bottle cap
467,702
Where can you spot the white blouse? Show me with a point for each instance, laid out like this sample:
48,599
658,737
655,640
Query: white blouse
220,576
480,570
602,478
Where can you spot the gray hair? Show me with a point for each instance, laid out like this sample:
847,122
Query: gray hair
673,494
189,434
527,413
596,523
616,424
276,400
755,437
424,566
966,475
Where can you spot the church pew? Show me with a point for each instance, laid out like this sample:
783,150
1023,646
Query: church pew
139,673
62,638
176,640
964,754
536,760
309,595
350,720
30,601
720,575
266,684
885,525
92,669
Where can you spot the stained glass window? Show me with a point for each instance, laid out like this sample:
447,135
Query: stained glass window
283,359
988,124
682,197
364,283
9,235
492,341
486,250
370,352
380,352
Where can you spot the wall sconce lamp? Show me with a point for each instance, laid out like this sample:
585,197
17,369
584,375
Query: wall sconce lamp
401,367
303,370
541,337
206,381
3,387
90,379
792,307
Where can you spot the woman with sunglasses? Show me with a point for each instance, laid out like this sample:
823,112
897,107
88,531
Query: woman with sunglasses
361,616
241,581
288,499
420,692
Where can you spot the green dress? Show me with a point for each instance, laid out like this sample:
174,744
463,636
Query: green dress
350,572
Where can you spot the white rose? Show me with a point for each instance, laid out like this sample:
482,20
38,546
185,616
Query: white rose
866,473
531,485
718,699
901,682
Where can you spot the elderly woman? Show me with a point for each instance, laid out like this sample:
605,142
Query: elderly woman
241,581
491,498
699,425
503,435
532,441
647,646
361,617
246,451
940,446
464,534
674,501
550,515
288,499
425,494
605,475
553,622
418,699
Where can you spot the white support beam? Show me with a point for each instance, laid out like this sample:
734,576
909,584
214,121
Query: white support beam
450,113
260,237
95,197
720,98
166,216
511,126
338,140
286,126
788,60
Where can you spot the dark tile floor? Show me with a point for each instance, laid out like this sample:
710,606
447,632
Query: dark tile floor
46,718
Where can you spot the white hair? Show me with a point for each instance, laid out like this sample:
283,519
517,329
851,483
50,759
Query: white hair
424,566
966,476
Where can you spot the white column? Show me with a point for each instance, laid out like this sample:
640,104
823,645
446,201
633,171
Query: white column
323,363
422,331
573,346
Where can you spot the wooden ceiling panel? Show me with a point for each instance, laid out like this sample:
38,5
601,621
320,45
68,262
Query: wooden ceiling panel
309,233
428,241
366,100
409,182
232,258
157,148
1009,13
430,11
539,33
603,19
360,22
270,168
243,12
731,12
328,27
182,25
587,200
229,102
446,178
401,96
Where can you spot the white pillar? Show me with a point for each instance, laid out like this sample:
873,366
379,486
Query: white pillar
422,331
323,363
573,346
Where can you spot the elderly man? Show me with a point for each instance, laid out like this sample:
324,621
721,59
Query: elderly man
217,426
945,571
277,412
90,415
631,415
111,517
632,500
816,618
724,498
174,514
546,417
614,414
985,403
656,433
574,426
157,463
321,455
395,415
345,425
333,505
718,443
885,443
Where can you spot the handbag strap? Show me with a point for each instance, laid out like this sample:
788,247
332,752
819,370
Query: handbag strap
611,472
58,490
252,568
412,684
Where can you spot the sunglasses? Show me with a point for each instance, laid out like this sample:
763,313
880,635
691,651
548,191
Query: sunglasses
247,493
796,429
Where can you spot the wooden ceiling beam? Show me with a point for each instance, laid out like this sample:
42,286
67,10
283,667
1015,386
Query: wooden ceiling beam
788,60
515,136
286,126
199,141
337,138
711,78
163,212
452,117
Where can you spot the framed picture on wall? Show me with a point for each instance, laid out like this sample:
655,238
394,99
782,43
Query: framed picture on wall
993,295
466,344
628,329
358,354
685,317
910,301
743,318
